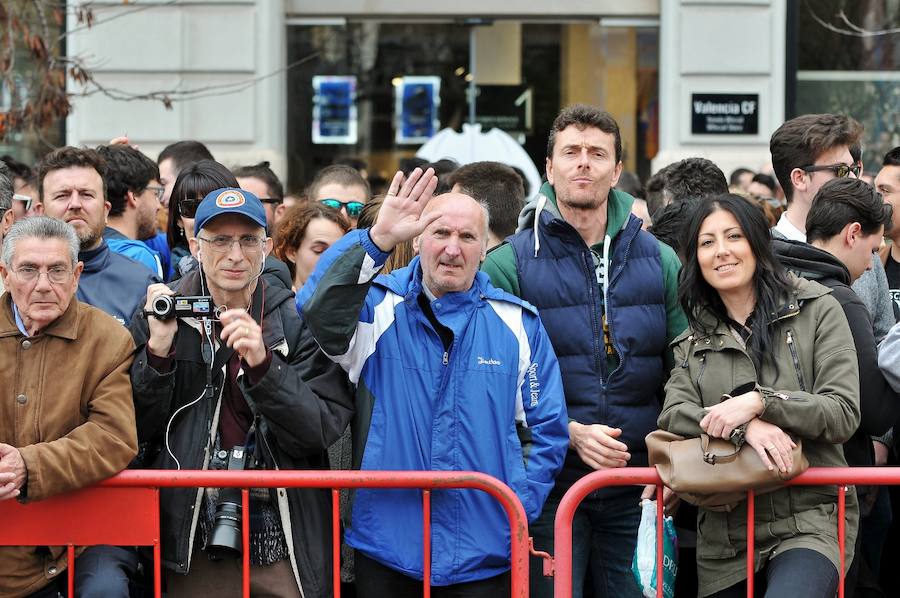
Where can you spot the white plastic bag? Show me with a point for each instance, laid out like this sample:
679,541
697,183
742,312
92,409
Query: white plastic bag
643,566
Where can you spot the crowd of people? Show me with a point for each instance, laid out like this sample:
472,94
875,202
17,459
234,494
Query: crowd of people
451,320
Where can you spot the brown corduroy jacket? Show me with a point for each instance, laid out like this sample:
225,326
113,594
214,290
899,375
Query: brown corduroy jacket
65,403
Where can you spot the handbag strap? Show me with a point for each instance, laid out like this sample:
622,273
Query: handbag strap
713,458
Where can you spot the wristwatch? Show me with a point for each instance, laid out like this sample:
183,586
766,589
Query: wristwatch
737,435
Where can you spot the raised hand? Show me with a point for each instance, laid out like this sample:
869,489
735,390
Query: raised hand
400,217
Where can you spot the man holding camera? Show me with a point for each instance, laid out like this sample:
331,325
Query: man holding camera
227,375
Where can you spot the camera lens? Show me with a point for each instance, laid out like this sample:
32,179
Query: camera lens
225,538
163,307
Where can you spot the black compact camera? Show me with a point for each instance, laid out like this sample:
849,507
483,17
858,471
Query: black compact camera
225,537
166,307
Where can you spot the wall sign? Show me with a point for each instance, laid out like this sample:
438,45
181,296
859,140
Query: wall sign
725,113
416,104
334,110
507,107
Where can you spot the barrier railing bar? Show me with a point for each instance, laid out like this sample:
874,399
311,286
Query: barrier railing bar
515,512
660,563
336,541
245,541
426,544
842,497
751,541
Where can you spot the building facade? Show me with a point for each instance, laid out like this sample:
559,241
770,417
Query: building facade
301,84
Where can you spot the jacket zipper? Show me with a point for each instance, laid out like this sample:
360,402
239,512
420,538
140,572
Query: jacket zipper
597,353
608,277
796,360
702,369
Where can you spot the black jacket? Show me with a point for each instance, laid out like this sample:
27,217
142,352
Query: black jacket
879,404
301,406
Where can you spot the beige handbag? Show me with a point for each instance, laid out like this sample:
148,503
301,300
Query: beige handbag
712,473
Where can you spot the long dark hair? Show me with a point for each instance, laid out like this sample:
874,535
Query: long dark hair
195,181
771,284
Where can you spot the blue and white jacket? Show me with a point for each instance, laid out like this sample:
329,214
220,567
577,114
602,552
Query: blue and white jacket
492,403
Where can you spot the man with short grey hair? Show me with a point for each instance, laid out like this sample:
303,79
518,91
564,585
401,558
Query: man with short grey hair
57,433
6,198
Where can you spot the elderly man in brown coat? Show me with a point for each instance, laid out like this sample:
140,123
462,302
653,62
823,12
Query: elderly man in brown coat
66,414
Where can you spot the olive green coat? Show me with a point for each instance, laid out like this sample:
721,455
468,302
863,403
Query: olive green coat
810,388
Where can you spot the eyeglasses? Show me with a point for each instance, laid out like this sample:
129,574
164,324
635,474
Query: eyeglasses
839,170
271,200
158,191
188,206
353,207
27,199
56,274
223,244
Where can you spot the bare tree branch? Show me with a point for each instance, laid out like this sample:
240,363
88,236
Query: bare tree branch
851,28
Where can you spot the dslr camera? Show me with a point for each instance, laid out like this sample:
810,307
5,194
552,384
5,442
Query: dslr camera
166,307
225,537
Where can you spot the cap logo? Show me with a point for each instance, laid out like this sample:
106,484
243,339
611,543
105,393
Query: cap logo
230,199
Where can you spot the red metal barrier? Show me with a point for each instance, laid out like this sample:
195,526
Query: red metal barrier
822,476
28,530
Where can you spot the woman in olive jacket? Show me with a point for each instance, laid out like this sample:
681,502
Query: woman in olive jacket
780,348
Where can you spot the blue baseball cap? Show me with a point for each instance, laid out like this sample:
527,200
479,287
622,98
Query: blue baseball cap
229,201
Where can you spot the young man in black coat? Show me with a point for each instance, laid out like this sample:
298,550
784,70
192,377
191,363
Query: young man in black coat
844,228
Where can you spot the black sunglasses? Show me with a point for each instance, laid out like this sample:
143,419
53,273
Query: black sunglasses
839,170
187,207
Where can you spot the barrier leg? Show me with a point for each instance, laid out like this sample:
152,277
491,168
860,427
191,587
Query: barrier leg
336,541
70,569
157,568
245,541
660,513
841,535
426,545
751,541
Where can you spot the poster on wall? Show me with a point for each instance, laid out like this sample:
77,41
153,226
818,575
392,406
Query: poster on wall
334,110
416,104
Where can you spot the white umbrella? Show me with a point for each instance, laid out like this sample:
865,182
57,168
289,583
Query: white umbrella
474,146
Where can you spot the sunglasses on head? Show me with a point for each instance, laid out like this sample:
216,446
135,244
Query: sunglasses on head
353,207
188,206
25,199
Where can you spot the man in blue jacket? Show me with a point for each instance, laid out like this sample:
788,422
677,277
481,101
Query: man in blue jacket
452,374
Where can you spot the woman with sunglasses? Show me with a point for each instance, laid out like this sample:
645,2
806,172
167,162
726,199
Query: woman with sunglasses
767,358
191,186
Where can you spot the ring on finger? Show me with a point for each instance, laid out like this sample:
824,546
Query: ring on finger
771,447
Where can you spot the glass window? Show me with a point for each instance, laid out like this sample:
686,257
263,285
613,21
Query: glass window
377,54
848,62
